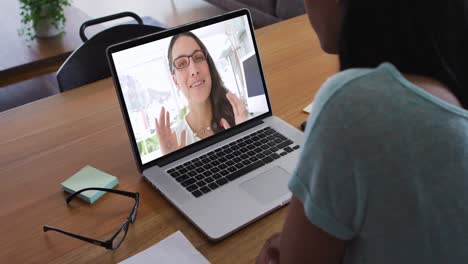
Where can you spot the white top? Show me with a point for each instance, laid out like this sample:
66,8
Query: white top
190,136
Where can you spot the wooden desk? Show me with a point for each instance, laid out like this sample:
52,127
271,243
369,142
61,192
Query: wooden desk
43,143
20,59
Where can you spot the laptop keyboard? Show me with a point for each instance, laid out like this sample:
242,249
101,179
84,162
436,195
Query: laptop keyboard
231,161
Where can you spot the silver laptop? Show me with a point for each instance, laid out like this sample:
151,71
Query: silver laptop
200,123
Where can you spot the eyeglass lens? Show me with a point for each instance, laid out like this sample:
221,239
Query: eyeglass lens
120,237
184,61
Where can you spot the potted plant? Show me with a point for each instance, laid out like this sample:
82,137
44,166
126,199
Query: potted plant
43,18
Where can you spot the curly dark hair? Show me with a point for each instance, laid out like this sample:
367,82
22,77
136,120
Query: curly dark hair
421,37
221,108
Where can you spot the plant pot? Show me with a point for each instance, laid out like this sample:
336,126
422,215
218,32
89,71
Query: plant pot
45,29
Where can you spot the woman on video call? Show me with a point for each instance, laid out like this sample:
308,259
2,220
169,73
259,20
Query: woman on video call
211,107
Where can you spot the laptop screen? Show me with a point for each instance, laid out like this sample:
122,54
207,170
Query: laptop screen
185,88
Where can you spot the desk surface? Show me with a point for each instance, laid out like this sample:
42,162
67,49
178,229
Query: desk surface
45,142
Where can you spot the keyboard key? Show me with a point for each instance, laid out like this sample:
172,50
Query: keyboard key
224,172
239,165
284,144
213,185
216,176
192,173
171,171
267,159
231,169
201,183
288,149
188,182
207,173
215,169
205,189
244,150
274,149
198,164
228,150
221,181
175,174
275,156
283,153
296,147
192,188
179,167
199,177
253,159
217,151
183,170
207,166
190,167
260,155
200,170
229,163
222,166
245,170
182,178
209,179
251,153
246,162
197,193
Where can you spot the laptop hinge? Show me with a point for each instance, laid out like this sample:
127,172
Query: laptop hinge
206,143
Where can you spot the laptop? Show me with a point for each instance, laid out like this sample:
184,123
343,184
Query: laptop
235,170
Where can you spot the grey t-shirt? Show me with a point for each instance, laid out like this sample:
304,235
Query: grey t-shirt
385,166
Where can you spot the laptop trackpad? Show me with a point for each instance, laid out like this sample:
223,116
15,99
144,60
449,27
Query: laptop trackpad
268,186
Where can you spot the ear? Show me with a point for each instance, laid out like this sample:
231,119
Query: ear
174,78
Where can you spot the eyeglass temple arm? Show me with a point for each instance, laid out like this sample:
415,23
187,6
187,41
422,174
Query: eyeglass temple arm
87,239
129,194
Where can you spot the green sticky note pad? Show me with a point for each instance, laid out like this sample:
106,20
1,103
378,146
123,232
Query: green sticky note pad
89,177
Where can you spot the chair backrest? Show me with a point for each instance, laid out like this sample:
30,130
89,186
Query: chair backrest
88,63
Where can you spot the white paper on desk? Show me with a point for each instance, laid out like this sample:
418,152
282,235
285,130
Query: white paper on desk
175,248
308,108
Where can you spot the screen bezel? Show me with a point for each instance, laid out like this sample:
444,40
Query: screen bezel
194,147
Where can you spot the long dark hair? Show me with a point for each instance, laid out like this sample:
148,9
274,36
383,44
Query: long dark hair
221,108
424,37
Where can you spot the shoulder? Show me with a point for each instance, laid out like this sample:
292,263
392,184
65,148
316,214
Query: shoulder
349,82
354,92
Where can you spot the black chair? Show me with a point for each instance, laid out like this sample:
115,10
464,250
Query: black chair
88,63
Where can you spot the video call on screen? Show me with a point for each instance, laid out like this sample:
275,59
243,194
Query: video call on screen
148,84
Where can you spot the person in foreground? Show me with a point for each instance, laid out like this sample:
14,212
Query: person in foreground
211,107
383,174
